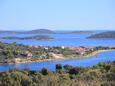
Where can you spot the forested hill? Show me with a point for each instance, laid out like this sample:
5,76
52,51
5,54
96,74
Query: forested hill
108,34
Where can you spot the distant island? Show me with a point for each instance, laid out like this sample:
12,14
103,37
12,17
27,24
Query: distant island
46,31
37,31
39,37
80,32
103,35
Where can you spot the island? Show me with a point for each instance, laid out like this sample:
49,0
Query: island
37,31
47,31
19,53
103,35
80,32
38,37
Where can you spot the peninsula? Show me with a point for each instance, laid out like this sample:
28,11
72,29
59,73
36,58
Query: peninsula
19,53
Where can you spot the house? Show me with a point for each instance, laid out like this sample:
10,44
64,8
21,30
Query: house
62,47
78,49
28,53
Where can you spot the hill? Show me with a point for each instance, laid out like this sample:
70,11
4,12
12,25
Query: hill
40,31
37,31
108,34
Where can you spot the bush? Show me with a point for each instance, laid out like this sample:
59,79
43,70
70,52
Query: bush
44,71
58,67
32,72
67,67
73,71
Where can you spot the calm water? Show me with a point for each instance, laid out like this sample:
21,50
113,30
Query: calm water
85,62
62,40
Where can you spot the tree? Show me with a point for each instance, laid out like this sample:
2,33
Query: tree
107,67
10,54
44,71
58,67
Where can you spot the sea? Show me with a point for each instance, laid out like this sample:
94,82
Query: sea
62,40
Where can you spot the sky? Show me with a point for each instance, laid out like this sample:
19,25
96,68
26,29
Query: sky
57,14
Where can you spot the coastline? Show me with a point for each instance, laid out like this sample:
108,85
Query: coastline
30,60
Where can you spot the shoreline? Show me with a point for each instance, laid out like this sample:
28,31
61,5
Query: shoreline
30,60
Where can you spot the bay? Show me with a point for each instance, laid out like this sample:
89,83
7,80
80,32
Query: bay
63,40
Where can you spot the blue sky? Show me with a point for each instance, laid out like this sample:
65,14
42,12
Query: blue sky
57,14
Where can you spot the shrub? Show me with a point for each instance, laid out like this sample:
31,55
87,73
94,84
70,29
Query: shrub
73,71
58,67
44,71
67,67
32,72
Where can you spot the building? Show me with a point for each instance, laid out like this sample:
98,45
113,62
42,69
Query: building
78,49
28,53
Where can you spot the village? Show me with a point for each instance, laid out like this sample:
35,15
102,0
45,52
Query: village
29,53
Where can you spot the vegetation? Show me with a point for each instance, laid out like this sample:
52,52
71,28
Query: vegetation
9,51
18,50
103,74
108,34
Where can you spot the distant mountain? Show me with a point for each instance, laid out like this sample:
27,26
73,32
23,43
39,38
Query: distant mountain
108,34
37,31
81,32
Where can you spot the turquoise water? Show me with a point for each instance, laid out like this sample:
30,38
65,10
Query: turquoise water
84,62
